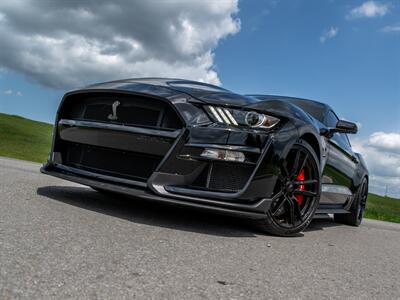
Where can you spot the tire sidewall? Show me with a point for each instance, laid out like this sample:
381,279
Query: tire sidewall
356,206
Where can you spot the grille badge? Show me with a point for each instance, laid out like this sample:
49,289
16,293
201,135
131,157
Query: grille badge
114,116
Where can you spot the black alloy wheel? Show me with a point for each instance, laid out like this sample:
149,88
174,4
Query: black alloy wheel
297,192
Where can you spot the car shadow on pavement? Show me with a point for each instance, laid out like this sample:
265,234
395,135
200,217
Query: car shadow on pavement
150,213
321,223
160,214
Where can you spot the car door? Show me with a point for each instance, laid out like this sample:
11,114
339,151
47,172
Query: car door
340,166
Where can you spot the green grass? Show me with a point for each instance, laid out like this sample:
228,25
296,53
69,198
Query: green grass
383,208
24,139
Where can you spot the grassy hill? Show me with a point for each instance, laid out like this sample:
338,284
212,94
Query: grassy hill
31,140
24,139
383,208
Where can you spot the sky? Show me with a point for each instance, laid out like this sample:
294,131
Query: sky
344,53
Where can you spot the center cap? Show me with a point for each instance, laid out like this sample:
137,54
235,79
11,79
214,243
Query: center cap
289,187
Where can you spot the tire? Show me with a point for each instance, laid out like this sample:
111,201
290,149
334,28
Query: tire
354,218
288,216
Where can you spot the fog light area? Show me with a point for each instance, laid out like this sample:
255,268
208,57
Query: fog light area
221,154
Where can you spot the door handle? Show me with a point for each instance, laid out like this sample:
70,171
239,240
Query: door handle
354,159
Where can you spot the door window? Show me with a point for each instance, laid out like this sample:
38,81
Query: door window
340,138
331,119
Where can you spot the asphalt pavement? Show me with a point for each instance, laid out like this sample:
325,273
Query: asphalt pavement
63,240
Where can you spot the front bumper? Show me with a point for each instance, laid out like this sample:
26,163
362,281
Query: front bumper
256,210
160,163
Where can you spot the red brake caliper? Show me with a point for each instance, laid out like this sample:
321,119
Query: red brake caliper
300,177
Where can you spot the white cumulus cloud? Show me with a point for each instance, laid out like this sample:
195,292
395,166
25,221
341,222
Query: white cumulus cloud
369,9
328,34
385,141
66,44
381,152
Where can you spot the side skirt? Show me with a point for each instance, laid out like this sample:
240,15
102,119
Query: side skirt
331,209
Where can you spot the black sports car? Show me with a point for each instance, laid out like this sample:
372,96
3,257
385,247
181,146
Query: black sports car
275,159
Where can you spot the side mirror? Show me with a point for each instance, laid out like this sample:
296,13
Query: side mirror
341,126
345,127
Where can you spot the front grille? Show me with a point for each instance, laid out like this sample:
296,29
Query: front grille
130,165
123,154
223,177
132,110
127,114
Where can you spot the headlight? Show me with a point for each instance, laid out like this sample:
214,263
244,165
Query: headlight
241,117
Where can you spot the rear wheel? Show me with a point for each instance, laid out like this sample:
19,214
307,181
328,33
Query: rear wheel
297,192
357,208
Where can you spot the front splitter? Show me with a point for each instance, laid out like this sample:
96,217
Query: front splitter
253,211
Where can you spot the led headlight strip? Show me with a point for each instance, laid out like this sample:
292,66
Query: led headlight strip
215,114
239,117
223,115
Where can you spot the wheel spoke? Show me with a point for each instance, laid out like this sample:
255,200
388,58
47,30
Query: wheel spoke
279,205
305,193
291,212
303,163
304,182
295,165
297,209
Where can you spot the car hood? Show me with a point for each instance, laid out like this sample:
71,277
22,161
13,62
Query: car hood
169,88
202,92
224,99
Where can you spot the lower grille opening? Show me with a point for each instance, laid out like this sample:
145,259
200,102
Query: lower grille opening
129,165
223,177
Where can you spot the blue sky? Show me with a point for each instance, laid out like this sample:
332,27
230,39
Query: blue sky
344,53
278,51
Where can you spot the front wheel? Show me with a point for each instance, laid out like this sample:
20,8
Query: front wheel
297,192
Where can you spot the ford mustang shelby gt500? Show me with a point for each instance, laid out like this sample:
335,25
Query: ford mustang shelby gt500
276,159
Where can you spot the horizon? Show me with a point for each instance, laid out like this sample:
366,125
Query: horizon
343,53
